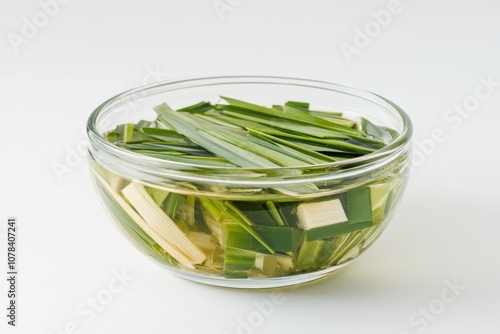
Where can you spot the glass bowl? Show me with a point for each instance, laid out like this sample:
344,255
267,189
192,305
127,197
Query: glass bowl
200,244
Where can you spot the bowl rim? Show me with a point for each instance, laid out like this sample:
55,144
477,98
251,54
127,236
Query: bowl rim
399,145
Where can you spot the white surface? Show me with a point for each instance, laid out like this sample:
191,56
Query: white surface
428,58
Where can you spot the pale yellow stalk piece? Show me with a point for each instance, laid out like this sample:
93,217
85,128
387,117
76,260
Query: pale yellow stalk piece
161,223
319,214
182,258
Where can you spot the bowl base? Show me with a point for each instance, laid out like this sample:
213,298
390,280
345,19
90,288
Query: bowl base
259,282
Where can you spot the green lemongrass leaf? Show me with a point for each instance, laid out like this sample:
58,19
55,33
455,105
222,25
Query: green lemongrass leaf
283,150
158,195
235,213
308,256
187,212
314,254
325,112
341,146
379,195
238,262
128,132
236,236
366,142
292,114
218,121
311,155
288,212
169,136
213,217
334,230
212,208
359,206
162,147
195,132
373,131
256,213
172,203
285,124
296,104
306,117
241,219
335,118
248,106
185,159
281,239
332,153
111,136
306,106
273,210
269,153
244,123
143,124
346,244
394,197
197,107
236,154
120,130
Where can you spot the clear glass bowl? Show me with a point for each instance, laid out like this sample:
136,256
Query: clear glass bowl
382,175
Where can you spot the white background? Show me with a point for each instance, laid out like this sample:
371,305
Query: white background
428,58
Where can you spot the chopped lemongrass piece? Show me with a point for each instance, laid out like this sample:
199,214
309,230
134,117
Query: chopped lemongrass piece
202,240
314,254
161,223
375,131
234,235
166,135
159,239
322,220
359,206
143,124
128,132
198,107
393,197
319,214
379,195
275,213
296,104
158,195
273,265
238,262
233,212
281,239
257,213
214,225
